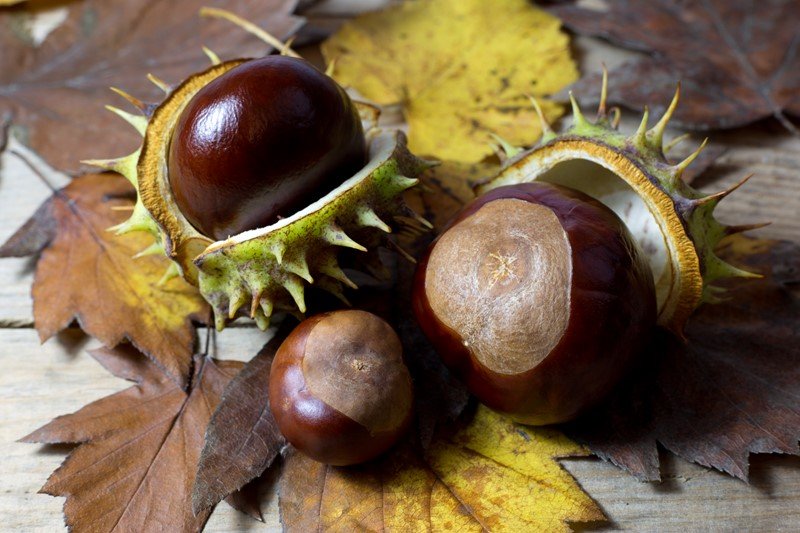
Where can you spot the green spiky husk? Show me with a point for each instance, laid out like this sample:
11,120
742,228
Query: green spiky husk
269,267
266,269
684,216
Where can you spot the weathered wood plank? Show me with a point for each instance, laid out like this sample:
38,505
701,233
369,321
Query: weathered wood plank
41,382
21,193
693,498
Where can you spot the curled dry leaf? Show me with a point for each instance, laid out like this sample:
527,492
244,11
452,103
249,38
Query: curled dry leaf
136,462
732,390
56,89
242,439
738,61
88,273
490,475
247,500
461,69
37,232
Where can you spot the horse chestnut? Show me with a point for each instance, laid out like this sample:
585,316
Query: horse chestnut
537,296
339,389
261,142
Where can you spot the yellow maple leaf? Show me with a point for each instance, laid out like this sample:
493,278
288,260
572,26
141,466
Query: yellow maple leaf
508,475
491,475
461,69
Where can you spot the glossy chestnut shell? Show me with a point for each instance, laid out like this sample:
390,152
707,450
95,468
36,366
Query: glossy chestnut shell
538,298
339,389
260,142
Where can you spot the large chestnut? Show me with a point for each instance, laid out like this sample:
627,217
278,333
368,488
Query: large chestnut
339,389
261,142
537,297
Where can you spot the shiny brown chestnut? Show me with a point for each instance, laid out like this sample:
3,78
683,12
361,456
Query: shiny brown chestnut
339,389
260,142
538,298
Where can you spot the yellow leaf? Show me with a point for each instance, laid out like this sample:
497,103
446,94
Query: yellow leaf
508,475
490,475
461,69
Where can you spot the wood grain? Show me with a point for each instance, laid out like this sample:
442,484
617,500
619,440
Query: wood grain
21,192
691,497
44,381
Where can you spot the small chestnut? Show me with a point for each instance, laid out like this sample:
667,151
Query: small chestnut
260,142
339,389
537,297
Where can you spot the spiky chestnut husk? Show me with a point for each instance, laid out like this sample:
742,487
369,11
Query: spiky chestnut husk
265,269
672,222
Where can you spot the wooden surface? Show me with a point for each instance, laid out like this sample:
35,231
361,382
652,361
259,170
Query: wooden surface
40,382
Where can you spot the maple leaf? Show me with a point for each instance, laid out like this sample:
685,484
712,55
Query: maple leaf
89,274
461,69
738,61
730,391
490,475
56,89
135,465
243,438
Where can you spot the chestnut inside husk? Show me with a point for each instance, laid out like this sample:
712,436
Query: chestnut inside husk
260,142
321,197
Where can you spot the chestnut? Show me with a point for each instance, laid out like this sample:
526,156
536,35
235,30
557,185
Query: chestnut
339,389
260,142
538,298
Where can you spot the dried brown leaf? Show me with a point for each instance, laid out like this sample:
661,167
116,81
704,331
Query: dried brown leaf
89,274
247,500
243,438
738,61
135,466
733,389
37,232
56,89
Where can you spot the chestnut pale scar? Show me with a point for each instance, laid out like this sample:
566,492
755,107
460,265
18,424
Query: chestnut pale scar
372,384
502,278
